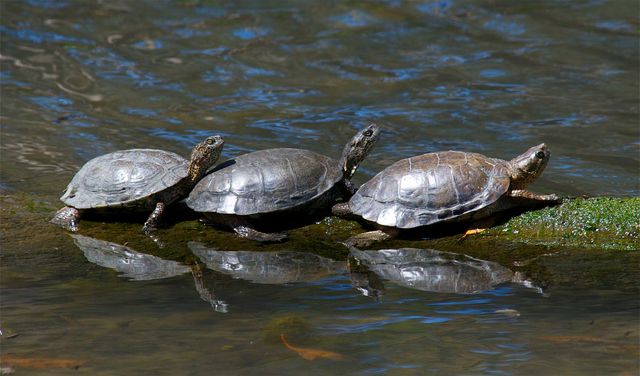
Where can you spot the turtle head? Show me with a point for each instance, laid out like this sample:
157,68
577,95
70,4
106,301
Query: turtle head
204,156
357,149
528,166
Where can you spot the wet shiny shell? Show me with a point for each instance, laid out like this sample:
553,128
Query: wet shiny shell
123,178
265,181
430,188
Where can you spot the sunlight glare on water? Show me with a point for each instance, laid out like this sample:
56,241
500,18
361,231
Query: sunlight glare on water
79,79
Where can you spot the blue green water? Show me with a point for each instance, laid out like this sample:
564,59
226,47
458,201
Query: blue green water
79,79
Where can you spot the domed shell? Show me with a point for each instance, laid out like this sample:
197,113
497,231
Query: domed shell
430,188
265,181
124,177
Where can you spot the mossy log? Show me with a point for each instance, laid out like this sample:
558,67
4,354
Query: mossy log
599,222
596,223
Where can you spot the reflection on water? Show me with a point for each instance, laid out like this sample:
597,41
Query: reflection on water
141,267
267,267
131,264
64,309
81,79
431,270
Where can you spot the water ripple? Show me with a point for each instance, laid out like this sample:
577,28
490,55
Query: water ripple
437,74
247,33
354,19
50,4
41,37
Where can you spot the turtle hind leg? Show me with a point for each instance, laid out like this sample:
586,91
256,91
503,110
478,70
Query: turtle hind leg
342,210
550,199
367,238
250,233
67,218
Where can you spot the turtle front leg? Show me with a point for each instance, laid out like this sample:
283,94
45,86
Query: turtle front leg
253,234
349,189
552,198
154,218
67,218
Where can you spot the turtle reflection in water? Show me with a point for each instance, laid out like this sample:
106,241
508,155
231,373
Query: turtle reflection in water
431,270
267,267
139,266
445,187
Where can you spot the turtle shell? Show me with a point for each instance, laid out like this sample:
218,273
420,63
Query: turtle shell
430,188
123,178
265,181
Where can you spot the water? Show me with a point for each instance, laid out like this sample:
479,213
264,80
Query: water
80,79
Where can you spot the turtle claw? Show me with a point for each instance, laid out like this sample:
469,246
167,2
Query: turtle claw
555,198
249,233
148,229
67,218
156,240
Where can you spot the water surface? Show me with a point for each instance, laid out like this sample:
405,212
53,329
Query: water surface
79,79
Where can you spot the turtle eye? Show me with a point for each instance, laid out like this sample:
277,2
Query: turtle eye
540,155
209,141
368,133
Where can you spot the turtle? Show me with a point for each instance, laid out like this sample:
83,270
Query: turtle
135,179
278,188
444,187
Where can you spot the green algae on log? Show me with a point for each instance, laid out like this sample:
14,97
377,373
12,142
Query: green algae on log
595,223
599,222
